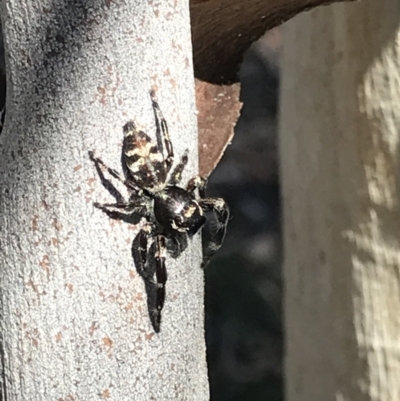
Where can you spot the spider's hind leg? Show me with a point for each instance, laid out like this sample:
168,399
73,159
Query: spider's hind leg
213,240
130,212
176,174
101,167
162,131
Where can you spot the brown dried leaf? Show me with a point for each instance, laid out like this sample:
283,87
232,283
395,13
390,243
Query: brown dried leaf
218,110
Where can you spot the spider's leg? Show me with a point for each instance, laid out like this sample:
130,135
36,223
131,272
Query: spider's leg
176,244
161,275
176,174
217,230
109,184
139,251
199,183
162,131
150,261
101,166
130,212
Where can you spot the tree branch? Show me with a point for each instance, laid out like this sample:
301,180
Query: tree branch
223,30
74,319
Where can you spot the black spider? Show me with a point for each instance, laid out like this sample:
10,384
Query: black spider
173,213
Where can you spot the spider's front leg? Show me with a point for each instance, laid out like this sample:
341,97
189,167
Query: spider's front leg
217,230
161,276
140,251
199,183
150,262
216,234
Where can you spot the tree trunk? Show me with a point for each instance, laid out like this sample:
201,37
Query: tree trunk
340,173
74,318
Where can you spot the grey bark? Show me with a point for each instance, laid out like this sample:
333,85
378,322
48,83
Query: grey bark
74,319
340,174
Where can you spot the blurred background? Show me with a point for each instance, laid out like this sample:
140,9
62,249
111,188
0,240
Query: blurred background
243,281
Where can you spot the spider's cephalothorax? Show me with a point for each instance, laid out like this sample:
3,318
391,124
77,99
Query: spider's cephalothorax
173,212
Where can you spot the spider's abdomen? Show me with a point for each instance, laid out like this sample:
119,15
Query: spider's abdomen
177,209
142,158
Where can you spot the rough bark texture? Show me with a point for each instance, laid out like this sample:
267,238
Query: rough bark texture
340,172
224,29
74,320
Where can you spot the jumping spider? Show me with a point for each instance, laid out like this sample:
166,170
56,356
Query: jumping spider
173,213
